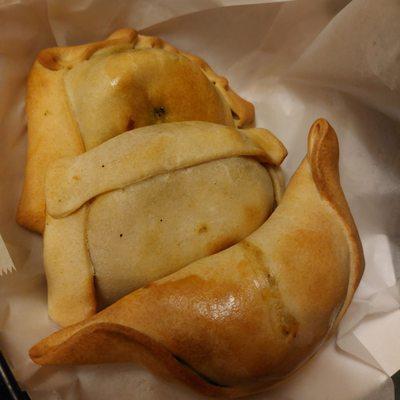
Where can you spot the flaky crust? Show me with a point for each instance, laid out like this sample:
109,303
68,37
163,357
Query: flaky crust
244,319
52,129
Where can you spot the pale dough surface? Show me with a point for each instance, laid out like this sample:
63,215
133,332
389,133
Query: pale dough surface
153,228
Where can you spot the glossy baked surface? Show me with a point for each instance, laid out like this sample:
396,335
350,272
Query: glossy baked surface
147,203
243,319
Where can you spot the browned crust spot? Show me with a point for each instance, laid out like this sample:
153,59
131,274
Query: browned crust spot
288,325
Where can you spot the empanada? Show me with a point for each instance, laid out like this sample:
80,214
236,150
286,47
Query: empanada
148,202
245,318
78,97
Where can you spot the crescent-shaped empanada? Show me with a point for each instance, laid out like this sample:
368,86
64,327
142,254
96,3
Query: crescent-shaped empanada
78,97
245,318
148,202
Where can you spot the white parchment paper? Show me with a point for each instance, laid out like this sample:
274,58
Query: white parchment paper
296,60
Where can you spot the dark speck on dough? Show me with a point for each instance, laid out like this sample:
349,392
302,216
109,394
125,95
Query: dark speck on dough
102,166
161,220
285,330
202,228
120,235
271,280
234,115
159,112
130,125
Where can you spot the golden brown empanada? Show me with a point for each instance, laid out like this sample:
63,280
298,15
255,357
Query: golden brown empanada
245,318
147,203
78,97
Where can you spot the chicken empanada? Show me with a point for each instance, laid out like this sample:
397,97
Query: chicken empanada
148,202
78,97
241,320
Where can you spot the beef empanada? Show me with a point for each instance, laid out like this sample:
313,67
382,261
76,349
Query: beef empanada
148,202
243,319
78,97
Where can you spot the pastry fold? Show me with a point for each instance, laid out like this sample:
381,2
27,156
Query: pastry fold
148,202
245,318
80,96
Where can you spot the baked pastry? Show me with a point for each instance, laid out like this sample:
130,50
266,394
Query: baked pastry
81,96
148,202
243,319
